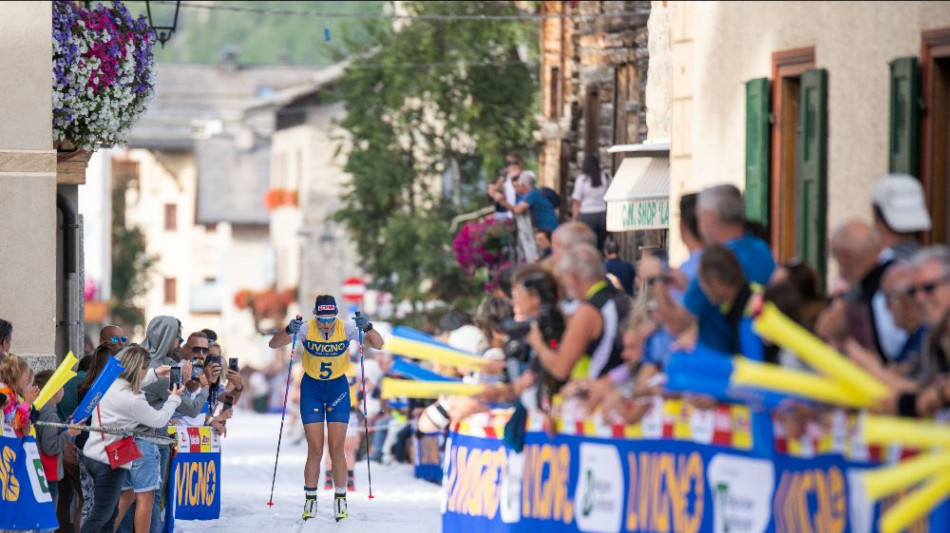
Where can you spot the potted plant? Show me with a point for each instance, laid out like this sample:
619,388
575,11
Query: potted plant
103,74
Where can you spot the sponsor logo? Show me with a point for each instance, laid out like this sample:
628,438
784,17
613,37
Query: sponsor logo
326,308
742,493
510,489
326,349
34,470
600,489
9,484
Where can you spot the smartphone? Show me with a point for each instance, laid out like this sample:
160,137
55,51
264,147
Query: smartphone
174,377
233,363
196,370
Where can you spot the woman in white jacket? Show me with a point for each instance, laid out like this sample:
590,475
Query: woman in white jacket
123,405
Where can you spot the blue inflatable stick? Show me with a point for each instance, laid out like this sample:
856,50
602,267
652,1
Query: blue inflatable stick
414,371
98,389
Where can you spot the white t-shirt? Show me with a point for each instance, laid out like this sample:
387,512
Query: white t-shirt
590,197
510,195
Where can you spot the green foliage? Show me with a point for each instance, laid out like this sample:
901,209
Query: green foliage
434,91
130,264
261,39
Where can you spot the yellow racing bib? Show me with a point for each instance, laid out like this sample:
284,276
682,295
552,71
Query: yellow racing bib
326,359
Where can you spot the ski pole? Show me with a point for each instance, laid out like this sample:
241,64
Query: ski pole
283,412
369,472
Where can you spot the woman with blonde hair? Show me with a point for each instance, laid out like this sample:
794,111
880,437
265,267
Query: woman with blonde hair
124,406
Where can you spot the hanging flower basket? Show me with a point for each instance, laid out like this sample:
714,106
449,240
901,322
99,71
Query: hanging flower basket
103,73
479,243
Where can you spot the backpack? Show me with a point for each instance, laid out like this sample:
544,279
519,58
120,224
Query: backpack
552,196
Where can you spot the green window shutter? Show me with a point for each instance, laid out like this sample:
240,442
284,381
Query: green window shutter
811,167
905,116
757,150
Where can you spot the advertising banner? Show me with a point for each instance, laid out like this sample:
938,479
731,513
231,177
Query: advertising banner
683,471
25,501
195,484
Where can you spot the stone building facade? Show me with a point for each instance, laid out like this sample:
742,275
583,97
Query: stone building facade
593,83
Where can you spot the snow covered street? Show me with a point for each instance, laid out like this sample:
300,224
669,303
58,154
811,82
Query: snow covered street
401,503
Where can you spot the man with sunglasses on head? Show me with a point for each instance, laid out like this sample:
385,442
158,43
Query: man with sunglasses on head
324,344
113,334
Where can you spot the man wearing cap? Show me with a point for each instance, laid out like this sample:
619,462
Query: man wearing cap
325,392
900,214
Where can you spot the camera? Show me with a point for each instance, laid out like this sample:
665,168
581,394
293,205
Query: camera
233,364
549,321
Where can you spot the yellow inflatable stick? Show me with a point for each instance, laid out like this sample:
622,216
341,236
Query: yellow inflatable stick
881,482
908,432
430,352
410,388
774,378
780,329
916,504
59,378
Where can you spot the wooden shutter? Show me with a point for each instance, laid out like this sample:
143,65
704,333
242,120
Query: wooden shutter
905,116
757,150
811,168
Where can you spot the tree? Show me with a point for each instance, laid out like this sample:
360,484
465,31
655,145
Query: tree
428,115
130,263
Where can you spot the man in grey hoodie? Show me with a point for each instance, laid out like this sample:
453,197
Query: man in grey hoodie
162,338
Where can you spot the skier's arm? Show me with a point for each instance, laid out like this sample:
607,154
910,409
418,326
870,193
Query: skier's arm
283,337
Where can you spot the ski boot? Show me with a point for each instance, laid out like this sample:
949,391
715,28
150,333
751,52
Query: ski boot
339,506
309,507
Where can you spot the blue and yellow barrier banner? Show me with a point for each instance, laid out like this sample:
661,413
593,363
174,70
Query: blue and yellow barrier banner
25,501
194,487
428,457
677,472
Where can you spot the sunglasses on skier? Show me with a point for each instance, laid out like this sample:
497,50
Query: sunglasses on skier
326,320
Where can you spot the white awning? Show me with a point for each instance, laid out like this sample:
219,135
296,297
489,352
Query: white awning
639,196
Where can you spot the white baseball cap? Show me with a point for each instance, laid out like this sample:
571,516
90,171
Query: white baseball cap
900,198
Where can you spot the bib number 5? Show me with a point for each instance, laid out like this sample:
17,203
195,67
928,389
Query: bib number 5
326,369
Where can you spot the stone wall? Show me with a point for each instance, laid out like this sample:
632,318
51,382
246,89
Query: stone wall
601,66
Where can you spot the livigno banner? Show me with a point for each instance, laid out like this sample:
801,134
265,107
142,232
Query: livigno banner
667,482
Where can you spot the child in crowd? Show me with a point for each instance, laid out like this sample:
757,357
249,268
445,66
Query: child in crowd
52,440
17,393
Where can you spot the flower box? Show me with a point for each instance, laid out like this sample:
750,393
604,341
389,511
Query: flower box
103,73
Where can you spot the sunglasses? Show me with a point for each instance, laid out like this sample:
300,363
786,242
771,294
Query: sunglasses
927,288
200,349
512,163
326,320
115,340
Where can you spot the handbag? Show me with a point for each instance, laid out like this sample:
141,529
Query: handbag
121,452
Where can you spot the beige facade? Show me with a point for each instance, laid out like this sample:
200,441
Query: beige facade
718,46
312,253
27,178
199,267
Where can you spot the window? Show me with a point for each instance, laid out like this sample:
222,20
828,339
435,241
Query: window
592,122
935,128
554,94
787,69
171,291
171,217
626,110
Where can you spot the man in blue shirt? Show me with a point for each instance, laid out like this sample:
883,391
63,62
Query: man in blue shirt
622,270
721,214
531,199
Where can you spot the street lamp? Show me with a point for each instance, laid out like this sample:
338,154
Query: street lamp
163,32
